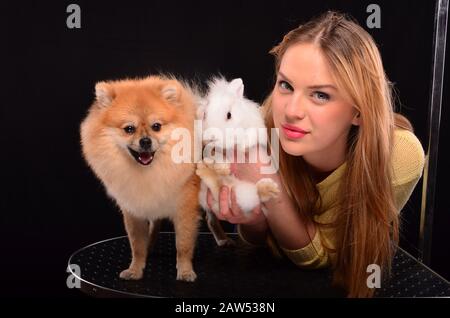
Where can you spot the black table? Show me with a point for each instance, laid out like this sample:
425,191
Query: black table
239,271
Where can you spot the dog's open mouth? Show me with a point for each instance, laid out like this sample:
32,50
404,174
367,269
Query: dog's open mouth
144,158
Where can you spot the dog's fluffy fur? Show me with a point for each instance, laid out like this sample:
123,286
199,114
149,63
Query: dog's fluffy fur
140,175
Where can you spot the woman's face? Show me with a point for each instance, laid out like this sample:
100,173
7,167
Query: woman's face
306,98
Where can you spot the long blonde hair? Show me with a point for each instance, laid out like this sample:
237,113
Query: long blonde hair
366,223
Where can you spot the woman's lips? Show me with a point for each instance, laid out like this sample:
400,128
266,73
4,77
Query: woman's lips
293,132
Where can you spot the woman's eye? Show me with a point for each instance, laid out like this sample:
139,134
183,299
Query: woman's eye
285,85
156,127
130,129
321,96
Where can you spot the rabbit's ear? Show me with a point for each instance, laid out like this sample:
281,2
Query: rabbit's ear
237,86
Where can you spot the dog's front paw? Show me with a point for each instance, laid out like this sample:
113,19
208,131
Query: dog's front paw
186,275
131,274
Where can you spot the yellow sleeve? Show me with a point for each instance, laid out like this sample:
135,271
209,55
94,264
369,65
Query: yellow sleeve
305,257
408,160
312,256
402,192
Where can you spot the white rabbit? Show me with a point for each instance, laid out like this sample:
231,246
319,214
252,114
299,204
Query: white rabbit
223,110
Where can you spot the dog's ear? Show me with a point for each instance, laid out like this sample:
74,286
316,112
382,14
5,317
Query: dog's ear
104,93
171,92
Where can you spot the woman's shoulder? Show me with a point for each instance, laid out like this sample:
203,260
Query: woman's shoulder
408,157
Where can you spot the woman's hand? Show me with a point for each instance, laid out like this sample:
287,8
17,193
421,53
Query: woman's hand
233,213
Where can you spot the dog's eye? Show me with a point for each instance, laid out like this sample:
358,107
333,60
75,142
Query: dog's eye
156,126
130,129
228,115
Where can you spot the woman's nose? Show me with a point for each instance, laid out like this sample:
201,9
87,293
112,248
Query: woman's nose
296,107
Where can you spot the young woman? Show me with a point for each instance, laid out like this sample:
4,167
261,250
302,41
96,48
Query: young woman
348,163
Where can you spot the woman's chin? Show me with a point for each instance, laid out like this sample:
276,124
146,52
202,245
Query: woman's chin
291,148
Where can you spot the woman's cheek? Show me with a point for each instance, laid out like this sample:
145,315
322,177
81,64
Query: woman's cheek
276,113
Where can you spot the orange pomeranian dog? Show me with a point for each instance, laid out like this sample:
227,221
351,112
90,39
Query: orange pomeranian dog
126,140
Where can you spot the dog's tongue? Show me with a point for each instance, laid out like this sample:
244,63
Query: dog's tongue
145,157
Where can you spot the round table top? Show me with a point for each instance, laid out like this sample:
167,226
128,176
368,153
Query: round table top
238,271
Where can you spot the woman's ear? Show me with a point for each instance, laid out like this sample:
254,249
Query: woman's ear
357,119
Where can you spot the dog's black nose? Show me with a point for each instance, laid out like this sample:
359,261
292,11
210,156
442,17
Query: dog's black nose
145,143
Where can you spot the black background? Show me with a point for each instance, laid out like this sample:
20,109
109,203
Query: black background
51,204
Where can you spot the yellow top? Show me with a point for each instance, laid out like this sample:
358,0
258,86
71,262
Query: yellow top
408,160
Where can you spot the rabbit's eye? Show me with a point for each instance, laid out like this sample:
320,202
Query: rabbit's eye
228,115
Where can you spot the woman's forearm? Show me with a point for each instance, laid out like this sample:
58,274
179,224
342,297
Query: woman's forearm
285,223
289,229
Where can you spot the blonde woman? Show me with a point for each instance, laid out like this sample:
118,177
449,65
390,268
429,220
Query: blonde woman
348,163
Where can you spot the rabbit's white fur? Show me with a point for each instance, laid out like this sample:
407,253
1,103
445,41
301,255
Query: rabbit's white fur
222,100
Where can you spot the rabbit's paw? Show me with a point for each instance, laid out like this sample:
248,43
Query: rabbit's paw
267,189
222,169
209,162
